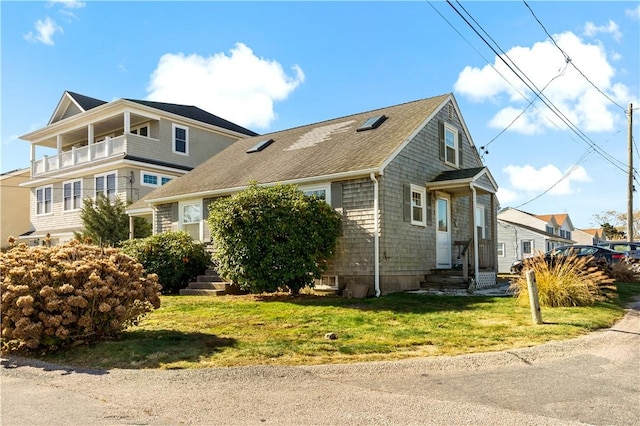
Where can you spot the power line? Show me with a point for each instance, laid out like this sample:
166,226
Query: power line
568,59
533,88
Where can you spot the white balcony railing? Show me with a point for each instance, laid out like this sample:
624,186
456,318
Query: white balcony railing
110,147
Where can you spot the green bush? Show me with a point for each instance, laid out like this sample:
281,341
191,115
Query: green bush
566,281
271,238
70,294
174,256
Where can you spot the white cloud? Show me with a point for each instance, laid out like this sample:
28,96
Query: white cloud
45,29
506,196
240,87
531,180
69,4
546,67
591,30
633,13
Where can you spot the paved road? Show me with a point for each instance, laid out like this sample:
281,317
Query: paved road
592,380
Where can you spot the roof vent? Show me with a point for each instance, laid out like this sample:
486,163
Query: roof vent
372,123
260,146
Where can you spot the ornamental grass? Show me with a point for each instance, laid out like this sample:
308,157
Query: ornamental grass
564,281
70,294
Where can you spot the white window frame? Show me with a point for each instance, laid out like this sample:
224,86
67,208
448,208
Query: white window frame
136,130
522,243
315,189
105,191
422,206
42,208
74,206
159,178
501,250
454,132
175,127
480,221
181,218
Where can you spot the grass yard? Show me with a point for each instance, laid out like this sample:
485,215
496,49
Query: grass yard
198,332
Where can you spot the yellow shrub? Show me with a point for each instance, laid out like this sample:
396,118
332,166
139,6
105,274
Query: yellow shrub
564,281
71,293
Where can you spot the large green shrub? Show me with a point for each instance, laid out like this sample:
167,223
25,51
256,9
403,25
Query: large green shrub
69,294
269,238
174,256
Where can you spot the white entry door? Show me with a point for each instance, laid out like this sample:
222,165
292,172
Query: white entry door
443,232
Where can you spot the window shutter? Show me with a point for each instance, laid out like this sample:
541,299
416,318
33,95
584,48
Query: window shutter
407,202
429,209
441,139
460,149
175,215
336,195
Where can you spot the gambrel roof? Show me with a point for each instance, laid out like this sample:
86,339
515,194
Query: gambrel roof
330,150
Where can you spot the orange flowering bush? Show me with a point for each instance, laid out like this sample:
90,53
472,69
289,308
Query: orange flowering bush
70,294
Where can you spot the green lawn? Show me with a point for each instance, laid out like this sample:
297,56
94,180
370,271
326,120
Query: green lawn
197,332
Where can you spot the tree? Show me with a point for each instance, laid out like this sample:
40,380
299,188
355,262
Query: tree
614,224
268,238
107,224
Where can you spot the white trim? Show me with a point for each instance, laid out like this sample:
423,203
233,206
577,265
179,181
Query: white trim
175,127
192,202
106,181
138,127
71,182
456,148
504,249
321,187
44,200
422,191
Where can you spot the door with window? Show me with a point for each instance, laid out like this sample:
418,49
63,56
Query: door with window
443,232
191,219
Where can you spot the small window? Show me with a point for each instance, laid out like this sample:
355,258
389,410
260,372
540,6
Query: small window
149,179
481,230
418,204
180,139
372,123
527,248
72,195
44,200
260,146
451,145
322,192
501,250
164,180
141,130
106,185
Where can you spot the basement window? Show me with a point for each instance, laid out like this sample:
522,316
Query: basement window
260,146
372,123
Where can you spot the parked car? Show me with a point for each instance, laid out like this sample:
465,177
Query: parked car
599,253
632,249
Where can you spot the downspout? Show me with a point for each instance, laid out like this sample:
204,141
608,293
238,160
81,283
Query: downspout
376,235
476,268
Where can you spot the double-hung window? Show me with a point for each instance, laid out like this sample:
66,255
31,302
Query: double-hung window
72,195
418,205
481,230
501,250
180,139
44,200
527,248
450,145
106,185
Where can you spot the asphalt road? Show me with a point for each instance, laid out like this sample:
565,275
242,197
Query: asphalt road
591,380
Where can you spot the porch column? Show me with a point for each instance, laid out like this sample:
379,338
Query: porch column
131,227
32,158
59,148
474,202
90,138
127,122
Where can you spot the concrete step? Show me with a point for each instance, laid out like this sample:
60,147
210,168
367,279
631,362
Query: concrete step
208,278
201,292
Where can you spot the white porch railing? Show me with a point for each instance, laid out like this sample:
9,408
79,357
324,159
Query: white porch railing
110,147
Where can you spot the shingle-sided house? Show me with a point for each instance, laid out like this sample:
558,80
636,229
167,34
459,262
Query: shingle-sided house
125,148
522,234
412,190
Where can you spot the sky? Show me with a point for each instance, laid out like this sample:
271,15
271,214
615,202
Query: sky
544,87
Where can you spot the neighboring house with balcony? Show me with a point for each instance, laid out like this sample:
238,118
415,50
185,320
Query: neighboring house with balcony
124,148
413,193
522,234
14,205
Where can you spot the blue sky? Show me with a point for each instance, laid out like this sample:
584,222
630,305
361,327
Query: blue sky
275,65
